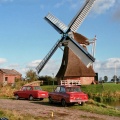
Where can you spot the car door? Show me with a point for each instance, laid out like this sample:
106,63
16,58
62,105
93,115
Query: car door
62,93
56,93
28,91
21,93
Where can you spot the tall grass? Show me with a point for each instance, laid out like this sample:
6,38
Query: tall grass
103,92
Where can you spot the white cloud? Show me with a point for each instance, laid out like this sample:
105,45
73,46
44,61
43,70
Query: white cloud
13,66
42,6
59,4
1,1
101,6
52,66
2,60
72,4
109,68
116,12
33,64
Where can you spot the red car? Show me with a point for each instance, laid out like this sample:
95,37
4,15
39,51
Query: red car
68,94
31,93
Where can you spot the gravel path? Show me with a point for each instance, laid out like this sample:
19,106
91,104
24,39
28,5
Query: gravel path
43,109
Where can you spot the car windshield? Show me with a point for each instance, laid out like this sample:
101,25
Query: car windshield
37,88
73,89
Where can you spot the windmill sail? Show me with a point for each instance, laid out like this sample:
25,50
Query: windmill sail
48,56
84,55
56,23
80,16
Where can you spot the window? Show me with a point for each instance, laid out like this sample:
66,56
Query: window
29,88
73,89
37,88
23,88
57,89
62,89
6,78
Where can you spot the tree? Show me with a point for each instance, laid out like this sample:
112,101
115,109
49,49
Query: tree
115,79
31,75
105,78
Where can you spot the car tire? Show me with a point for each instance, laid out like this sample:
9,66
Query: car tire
16,97
41,99
82,103
31,98
50,100
63,102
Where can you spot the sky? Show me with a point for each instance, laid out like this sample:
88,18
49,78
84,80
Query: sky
26,38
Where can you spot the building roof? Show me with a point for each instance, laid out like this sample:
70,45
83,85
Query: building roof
10,72
81,39
72,66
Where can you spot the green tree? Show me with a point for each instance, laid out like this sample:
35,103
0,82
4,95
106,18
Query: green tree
31,75
114,79
105,78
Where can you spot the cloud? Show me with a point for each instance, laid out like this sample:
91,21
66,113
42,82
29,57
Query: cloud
59,4
101,6
73,4
3,1
108,67
33,64
52,66
14,66
2,60
42,6
116,12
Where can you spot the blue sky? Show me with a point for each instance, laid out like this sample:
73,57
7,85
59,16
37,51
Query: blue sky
25,37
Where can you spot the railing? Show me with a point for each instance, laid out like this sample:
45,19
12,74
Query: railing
70,82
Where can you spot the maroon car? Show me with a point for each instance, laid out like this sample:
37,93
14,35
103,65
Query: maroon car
31,93
68,95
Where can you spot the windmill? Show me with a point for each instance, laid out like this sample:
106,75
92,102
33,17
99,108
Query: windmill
67,38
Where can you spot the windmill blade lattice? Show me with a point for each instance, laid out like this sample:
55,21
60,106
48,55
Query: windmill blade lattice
56,23
80,16
48,56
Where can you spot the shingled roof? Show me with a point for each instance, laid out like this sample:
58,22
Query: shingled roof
73,66
81,39
10,72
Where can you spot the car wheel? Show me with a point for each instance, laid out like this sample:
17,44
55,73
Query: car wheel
63,102
41,99
16,97
82,103
31,98
50,100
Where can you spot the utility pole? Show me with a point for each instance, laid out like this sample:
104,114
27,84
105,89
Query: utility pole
115,73
53,80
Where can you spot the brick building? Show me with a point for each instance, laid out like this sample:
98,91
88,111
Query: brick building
8,76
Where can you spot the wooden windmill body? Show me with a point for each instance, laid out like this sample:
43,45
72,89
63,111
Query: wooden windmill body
72,68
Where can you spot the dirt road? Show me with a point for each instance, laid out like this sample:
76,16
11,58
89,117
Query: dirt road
43,109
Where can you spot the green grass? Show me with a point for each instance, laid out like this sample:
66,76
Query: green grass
97,92
103,92
48,88
99,88
99,108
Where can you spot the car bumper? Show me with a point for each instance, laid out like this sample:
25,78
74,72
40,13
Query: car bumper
78,101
